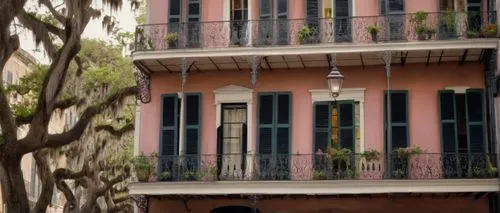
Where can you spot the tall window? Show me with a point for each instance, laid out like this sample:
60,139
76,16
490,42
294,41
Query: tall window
273,134
273,24
170,134
393,10
396,133
189,12
239,21
462,131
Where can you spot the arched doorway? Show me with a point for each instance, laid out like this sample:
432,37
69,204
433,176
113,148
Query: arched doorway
235,209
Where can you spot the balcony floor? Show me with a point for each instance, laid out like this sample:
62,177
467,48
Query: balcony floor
324,187
313,56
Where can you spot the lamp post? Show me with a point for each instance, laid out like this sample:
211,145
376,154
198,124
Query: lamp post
335,81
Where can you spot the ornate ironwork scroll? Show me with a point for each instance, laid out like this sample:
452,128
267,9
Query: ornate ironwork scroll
254,64
387,57
143,81
184,69
142,202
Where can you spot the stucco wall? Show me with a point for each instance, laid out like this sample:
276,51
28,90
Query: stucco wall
422,82
340,205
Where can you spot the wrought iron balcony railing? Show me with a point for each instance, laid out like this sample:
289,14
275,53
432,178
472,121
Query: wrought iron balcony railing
297,167
279,32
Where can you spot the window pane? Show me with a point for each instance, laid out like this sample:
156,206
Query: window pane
282,6
175,6
194,9
321,117
398,107
474,106
396,5
266,109
266,7
283,109
399,137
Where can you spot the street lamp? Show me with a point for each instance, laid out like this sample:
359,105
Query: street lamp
335,80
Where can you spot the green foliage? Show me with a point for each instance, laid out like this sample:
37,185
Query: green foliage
371,155
490,30
319,175
472,34
373,28
304,33
407,152
449,17
172,37
418,20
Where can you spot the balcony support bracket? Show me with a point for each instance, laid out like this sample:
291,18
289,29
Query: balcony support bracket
143,81
184,72
254,65
142,202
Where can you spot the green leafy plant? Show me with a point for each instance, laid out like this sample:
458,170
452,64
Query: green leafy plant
319,175
172,37
304,33
340,154
492,171
165,175
373,28
449,17
143,168
418,19
190,175
472,34
371,155
489,31
407,152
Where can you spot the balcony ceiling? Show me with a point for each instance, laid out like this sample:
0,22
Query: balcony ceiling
310,60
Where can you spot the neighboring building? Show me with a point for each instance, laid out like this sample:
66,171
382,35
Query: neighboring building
19,65
237,106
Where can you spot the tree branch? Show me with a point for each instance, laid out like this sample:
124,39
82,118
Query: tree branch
45,175
115,132
62,105
60,17
76,132
41,31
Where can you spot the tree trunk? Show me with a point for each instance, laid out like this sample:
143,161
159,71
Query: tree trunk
13,189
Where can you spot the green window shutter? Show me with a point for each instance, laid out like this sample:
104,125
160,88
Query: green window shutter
475,121
192,109
265,123
283,120
282,19
399,117
321,126
346,122
174,16
448,123
193,23
169,125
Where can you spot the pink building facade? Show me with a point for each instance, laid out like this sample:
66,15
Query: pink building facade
237,115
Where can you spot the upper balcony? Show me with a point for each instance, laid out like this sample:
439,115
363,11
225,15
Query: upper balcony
225,44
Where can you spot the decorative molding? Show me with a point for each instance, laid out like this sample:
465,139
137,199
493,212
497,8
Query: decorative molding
143,81
236,94
141,201
458,89
356,94
315,187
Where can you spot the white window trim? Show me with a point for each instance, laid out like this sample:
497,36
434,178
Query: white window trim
237,94
356,94
226,16
458,89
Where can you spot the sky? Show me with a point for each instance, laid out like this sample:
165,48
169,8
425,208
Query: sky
94,29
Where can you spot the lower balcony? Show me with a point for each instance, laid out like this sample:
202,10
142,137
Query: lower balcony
297,167
318,174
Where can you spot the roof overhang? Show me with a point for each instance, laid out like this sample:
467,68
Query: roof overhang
312,56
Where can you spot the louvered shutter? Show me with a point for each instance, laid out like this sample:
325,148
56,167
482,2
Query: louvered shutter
448,122
174,15
282,21
192,127
321,126
399,118
346,124
169,126
265,23
475,120
193,23
265,125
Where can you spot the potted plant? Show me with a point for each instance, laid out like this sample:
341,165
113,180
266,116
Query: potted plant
190,176
172,39
319,175
304,34
401,158
418,20
211,174
489,31
430,32
143,168
373,29
165,176
371,155
472,34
